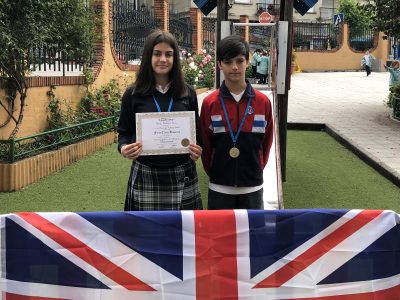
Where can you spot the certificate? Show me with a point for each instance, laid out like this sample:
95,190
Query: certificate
166,132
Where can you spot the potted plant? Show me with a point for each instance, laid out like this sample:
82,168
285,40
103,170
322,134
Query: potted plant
394,101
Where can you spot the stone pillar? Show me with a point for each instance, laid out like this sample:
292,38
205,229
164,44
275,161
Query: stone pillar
246,32
161,12
196,19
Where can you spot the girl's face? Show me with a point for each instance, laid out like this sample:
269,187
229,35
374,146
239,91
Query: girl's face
162,59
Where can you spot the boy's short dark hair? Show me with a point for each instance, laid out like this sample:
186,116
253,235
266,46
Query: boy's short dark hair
232,46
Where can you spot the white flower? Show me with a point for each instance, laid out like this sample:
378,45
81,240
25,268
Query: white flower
189,54
196,79
204,51
193,66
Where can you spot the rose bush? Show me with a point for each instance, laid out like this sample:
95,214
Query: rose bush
198,69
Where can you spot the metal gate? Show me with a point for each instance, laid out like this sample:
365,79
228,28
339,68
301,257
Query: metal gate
181,27
130,26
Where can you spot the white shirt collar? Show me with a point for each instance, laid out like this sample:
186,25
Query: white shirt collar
163,90
237,97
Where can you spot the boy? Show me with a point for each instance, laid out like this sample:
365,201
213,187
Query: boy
366,62
236,130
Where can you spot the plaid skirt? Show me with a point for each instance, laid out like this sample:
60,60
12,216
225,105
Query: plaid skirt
163,189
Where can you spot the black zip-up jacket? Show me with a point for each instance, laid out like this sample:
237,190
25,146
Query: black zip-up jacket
132,104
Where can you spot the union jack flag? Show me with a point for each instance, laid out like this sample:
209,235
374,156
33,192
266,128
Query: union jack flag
231,254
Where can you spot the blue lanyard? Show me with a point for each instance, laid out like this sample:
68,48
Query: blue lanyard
235,137
169,106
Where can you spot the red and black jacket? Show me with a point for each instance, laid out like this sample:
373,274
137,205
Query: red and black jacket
254,141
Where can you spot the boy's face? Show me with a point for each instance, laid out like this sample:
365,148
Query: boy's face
234,69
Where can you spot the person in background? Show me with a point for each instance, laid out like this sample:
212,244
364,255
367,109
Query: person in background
262,67
159,182
236,130
366,62
254,62
394,71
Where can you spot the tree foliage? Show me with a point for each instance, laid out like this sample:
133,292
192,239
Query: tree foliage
385,16
354,14
70,26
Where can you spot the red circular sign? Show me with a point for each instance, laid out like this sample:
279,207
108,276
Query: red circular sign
265,17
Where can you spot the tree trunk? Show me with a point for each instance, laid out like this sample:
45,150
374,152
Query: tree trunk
21,113
9,111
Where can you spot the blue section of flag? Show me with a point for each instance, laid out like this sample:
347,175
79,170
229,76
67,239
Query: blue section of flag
155,235
43,264
272,235
372,263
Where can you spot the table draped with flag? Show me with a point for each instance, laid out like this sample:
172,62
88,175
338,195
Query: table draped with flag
228,254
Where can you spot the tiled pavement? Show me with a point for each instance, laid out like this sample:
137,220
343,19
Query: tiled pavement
352,106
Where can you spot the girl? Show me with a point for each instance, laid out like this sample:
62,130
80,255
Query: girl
159,182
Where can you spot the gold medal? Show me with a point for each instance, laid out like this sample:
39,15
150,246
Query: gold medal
185,142
234,152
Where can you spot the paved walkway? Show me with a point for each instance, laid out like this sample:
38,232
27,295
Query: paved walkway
352,105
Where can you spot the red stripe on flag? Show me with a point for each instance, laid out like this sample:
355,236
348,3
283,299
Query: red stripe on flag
86,253
388,294
305,259
10,296
216,265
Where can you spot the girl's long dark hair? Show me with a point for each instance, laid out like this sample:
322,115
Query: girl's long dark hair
145,80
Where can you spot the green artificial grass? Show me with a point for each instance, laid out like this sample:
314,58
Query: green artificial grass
320,173
95,183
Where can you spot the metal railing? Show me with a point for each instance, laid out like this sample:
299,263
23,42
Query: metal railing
15,149
130,27
362,39
271,6
181,27
209,29
315,36
50,59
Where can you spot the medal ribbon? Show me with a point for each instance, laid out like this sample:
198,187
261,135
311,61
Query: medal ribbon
235,137
169,106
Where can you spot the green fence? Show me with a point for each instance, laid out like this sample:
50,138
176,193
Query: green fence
15,149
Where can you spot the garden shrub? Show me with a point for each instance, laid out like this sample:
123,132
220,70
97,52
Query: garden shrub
198,69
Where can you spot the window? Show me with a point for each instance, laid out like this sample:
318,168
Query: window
243,1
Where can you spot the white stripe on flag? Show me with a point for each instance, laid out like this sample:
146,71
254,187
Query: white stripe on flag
304,247
341,254
123,256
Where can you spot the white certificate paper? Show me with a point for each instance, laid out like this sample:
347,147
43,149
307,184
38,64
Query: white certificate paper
166,132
